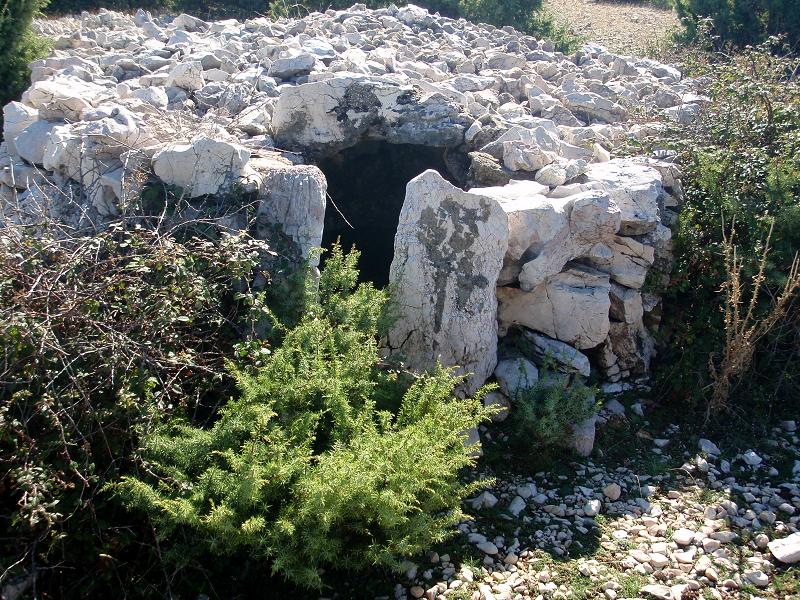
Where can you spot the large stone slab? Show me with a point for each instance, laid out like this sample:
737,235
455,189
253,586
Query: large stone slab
591,218
337,112
448,254
16,117
572,307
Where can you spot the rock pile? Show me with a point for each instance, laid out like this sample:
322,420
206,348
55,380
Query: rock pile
554,237
717,526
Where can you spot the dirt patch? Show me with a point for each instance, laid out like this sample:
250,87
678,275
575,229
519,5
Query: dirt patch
623,27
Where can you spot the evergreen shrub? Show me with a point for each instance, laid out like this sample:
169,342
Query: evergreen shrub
327,459
544,413
18,46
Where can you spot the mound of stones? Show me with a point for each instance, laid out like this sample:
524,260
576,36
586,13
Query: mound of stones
537,230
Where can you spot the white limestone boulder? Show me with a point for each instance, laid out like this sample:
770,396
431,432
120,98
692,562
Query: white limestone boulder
64,97
627,260
30,143
16,117
187,76
635,188
565,357
291,202
448,254
786,550
339,111
571,306
591,106
291,64
515,375
587,219
202,166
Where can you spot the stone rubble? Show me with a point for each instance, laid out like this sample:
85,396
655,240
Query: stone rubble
566,228
614,532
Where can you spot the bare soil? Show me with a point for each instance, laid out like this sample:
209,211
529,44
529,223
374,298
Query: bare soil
623,27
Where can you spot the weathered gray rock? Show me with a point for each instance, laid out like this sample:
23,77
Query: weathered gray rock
565,357
337,112
64,97
202,166
583,435
16,117
449,249
291,65
292,200
187,76
571,307
593,107
786,550
589,219
634,188
31,142
515,375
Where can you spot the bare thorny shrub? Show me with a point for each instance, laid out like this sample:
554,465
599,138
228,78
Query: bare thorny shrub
745,325
103,334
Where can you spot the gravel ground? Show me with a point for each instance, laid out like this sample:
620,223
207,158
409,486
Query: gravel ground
624,27
681,520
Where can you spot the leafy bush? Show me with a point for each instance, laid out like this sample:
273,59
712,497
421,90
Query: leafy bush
508,12
67,7
544,413
524,15
741,160
101,338
18,46
326,459
665,4
742,22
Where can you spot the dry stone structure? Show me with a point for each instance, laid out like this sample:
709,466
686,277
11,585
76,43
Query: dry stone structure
531,225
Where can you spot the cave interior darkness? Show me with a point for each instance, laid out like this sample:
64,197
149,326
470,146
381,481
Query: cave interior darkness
367,186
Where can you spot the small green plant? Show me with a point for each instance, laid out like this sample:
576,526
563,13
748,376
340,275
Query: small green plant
545,412
631,585
326,459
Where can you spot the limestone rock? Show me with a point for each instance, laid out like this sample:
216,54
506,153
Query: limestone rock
16,117
786,550
588,219
338,111
30,143
591,106
448,253
500,402
626,260
571,307
291,203
634,188
187,76
565,357
291,65
202,166
63,97
583,435
515,375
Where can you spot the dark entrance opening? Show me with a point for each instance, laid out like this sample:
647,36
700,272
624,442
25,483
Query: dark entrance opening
367,187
